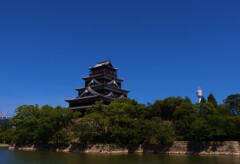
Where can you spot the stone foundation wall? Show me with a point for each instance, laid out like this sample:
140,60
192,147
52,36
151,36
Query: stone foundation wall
186,147
2,145
177,147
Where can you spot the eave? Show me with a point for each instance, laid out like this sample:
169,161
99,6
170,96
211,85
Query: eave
104,86
105,76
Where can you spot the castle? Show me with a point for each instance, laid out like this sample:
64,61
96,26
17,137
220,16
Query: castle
102,84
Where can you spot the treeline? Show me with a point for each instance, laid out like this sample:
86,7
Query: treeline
127,122
33,124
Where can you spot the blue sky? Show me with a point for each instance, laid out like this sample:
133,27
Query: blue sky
162,48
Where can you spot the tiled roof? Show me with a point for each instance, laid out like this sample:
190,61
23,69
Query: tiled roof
105,63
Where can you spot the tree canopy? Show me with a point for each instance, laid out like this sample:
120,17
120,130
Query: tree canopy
212,100
126,122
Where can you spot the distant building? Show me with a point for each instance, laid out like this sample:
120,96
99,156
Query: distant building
199,94
3,119
101,84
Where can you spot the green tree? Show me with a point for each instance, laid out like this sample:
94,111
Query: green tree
217,124
41,125
184,116
207,108
223,109
212,100
154,109
200,130
7,132
234,103
184,110
26,123
188,100
158,131
52,123
125,118
165,108
119,123
203,100
93,127
231,127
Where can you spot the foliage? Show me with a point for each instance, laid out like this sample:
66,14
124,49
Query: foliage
188,100
165,108
93,127
38,125
123,122
234,103
184,115
126,122
159,131
207,108
6,132
203,100
212,100
115,123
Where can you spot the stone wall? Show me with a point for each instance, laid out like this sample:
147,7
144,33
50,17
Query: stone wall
177,147
187,147
3,145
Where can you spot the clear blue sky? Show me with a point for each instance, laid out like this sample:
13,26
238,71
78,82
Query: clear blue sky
162,48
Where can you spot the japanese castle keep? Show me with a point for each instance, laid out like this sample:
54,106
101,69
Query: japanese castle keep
101,84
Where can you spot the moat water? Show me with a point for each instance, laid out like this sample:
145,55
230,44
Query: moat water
35,157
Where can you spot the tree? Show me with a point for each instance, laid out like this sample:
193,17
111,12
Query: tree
125,118
120,122
203,100
158,131
41,125
184,116
207,108
184,110
154,109
7,133
93,127
200,130
188,100
217,124
165,108
26,123
212,100
52,123
223,109
234,103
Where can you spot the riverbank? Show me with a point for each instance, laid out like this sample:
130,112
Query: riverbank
177,147
3,145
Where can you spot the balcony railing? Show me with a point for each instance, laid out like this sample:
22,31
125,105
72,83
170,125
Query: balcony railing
114,74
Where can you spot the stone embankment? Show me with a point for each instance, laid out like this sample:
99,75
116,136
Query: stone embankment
97,148
2,145
202,148
177,147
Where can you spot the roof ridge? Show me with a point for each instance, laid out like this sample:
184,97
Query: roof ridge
89,89
111,95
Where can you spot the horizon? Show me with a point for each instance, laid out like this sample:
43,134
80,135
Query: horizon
162,49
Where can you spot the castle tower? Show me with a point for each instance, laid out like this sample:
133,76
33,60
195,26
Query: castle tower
101,84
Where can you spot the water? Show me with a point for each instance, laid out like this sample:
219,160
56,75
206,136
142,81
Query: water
35,157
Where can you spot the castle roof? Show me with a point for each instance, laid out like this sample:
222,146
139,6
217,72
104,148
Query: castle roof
104,63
